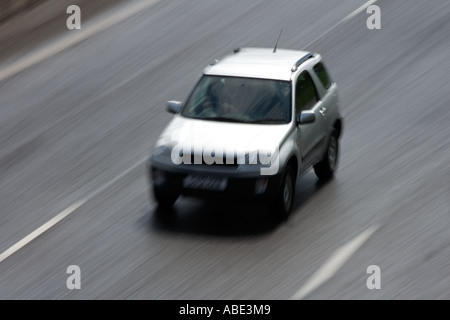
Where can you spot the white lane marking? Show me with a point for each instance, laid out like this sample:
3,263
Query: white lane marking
36,233
64,214
351,15
360,9
334,263
75,37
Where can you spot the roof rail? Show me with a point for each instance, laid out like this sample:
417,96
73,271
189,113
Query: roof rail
300,61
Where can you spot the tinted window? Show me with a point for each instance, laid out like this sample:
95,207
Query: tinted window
305,93
322,73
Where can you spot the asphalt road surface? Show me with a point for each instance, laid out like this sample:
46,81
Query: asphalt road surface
77,125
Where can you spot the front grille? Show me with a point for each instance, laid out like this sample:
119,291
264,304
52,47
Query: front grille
234,161
200,160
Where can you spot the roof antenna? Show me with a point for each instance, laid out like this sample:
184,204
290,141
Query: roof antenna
276,44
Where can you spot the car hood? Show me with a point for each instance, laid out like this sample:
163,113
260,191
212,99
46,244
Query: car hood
217,135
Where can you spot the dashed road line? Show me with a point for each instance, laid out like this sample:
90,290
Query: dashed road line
334,263
75,37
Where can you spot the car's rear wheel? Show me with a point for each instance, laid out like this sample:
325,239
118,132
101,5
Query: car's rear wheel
282,205
326,168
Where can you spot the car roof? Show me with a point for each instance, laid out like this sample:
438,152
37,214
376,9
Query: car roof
259,63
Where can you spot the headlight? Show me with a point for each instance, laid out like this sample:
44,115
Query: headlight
260,157
251,158
162,150
266,158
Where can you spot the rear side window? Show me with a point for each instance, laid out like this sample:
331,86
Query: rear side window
322,74
305,93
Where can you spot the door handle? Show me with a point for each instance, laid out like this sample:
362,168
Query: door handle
322,110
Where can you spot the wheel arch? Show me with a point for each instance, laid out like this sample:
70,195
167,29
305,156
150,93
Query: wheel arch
337,127
293,161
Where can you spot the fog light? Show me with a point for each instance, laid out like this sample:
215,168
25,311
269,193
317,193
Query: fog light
159,178
261,185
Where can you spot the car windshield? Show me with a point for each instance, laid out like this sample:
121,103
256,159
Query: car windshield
235,99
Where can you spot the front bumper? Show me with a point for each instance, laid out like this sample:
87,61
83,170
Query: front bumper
206,182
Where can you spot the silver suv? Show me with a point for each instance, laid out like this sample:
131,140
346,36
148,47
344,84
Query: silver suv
254,122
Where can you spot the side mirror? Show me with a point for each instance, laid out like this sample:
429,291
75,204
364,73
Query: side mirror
173,106
306,117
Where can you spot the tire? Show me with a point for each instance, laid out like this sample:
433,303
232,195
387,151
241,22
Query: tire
165,198
282,205
326,168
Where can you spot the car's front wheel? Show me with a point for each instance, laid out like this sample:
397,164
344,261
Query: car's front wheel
282,205
326,168
165,197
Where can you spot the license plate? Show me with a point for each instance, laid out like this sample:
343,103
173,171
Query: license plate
205,183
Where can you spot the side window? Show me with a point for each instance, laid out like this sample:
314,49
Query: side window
305,93
322,74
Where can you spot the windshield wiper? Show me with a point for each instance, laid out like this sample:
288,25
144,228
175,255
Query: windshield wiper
224,119
270,120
